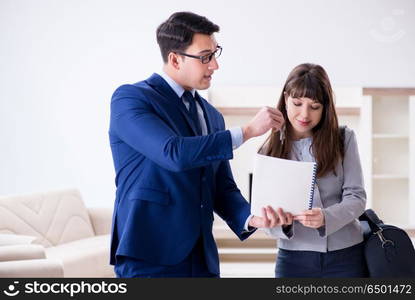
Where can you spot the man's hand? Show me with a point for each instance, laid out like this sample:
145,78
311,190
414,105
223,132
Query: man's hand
271,218
313,218
263,121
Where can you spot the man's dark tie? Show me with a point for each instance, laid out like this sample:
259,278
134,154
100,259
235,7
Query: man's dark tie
187,96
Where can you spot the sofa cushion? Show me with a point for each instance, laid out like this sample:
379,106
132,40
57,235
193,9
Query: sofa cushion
45,268
84,258
21,252
53,217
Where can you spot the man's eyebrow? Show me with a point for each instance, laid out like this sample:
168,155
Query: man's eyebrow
205,51
208,50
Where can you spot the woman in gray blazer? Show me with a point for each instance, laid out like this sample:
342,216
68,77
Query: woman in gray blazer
325,241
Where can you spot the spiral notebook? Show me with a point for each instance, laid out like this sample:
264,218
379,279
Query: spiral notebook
284,183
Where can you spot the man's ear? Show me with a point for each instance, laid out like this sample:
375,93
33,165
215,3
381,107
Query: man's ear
174,60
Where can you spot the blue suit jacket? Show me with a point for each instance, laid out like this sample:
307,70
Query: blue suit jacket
169,181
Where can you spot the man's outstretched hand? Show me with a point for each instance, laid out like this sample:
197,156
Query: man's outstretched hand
271,218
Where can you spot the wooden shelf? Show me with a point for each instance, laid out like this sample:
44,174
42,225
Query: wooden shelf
248,111
247,269
389,136
238,111
372,91
390,176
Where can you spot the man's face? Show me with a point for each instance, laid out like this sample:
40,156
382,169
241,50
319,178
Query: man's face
192,73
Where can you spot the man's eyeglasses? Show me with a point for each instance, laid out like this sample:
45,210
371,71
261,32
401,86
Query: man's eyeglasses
205,59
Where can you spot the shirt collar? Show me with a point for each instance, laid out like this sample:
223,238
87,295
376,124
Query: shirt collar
177,88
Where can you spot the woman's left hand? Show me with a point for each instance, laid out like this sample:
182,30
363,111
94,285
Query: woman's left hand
313,218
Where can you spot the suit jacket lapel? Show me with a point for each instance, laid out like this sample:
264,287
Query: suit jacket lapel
171,99
205,113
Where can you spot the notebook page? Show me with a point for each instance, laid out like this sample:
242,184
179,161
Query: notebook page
281,183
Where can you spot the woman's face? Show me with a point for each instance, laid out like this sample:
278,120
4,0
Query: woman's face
304,114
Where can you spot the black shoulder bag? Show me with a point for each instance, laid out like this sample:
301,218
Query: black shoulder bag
389,251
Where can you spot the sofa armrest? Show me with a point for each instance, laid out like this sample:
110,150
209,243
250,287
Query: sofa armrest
101,219
31,268
21,252
15,239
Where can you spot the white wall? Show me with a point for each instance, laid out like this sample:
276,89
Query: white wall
61,60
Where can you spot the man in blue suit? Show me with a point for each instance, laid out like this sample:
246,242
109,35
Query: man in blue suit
171,151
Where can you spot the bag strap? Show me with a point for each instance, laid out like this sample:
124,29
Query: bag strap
372,219
342,129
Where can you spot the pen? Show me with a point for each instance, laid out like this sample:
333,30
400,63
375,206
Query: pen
282,133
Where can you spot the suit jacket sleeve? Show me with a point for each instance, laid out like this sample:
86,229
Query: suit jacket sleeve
229,204
135,121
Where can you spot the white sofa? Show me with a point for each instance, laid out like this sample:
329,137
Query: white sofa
76,236
27,261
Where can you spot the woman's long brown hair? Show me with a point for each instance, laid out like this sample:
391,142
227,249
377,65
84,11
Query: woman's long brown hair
310,81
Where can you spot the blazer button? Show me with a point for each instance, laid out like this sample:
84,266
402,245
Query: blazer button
204,178
201,205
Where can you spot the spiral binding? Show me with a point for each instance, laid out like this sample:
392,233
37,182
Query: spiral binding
313,184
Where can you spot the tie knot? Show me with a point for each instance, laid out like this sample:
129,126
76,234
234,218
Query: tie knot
187,95
192,109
